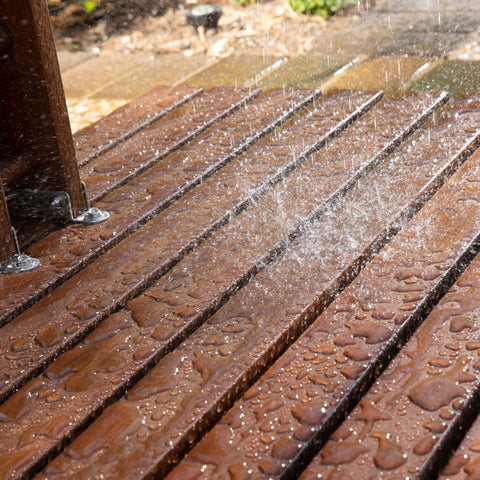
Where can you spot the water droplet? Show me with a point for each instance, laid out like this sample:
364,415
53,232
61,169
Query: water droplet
286,448
341,452
270,467
49,335
356,353
372,332
425,445
436,426
311,413
455,465
457,324
434,393
389,455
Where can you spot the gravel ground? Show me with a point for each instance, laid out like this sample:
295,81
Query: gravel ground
268,26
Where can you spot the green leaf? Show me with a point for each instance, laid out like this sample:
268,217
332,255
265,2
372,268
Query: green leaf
324,8
89,5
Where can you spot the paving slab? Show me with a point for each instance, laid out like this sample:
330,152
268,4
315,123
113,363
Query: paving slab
468,50
304,71
166,69
430,32
68,60
428,44
86,112
461,22
234,71
380,73
454,76
355,41
427,6
84,79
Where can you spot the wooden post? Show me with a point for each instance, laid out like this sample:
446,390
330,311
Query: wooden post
36,145
34,118
7,245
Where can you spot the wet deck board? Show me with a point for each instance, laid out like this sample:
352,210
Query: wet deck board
229,281
137,260
105,173
132,206
465,462
312,386
123,123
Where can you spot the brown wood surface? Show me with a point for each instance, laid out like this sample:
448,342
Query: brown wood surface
167,342
7,244
33,114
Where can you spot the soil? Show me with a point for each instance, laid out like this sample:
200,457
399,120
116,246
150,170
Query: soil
158,27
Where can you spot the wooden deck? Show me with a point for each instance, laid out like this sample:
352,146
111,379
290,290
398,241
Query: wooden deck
287,287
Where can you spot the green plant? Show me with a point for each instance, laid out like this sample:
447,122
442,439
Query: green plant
89,5
243,2
72,46
324,8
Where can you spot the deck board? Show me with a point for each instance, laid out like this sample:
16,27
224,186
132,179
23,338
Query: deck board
138,261
406,417
180,327
292,410
131,206
132,157
126,121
